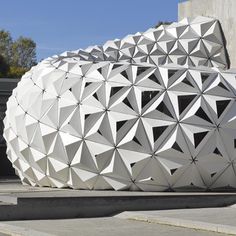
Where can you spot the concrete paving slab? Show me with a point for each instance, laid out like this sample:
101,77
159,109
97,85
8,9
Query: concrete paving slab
12,230
220,220
100,227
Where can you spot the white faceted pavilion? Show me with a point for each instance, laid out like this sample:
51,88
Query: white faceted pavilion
152,112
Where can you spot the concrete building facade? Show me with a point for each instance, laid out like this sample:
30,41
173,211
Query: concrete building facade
223,10
6,87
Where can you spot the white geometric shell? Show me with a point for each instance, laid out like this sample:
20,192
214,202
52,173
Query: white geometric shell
194,42
123,126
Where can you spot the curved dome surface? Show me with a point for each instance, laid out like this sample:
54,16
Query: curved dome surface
92,120
196,42
121,126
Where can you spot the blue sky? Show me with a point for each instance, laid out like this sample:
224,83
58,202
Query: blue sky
60,25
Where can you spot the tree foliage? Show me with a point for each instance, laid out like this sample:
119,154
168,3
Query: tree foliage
6,45
16,71
4,67
16,57
23,52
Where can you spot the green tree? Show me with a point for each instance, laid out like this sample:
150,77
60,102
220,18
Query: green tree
15,72
23,53
16,57
5,45
4,67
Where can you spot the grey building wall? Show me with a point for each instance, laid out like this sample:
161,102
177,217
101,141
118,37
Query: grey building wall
223,10
6,87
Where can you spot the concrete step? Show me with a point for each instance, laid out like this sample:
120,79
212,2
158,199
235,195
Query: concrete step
67,203
19,202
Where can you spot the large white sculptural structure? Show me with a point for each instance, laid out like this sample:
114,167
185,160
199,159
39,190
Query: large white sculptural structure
189,42
120,116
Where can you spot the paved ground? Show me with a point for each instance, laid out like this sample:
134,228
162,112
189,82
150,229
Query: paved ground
139,223
223,216
99,227
213,219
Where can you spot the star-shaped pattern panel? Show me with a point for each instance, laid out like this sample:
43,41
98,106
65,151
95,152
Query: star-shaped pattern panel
193,42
